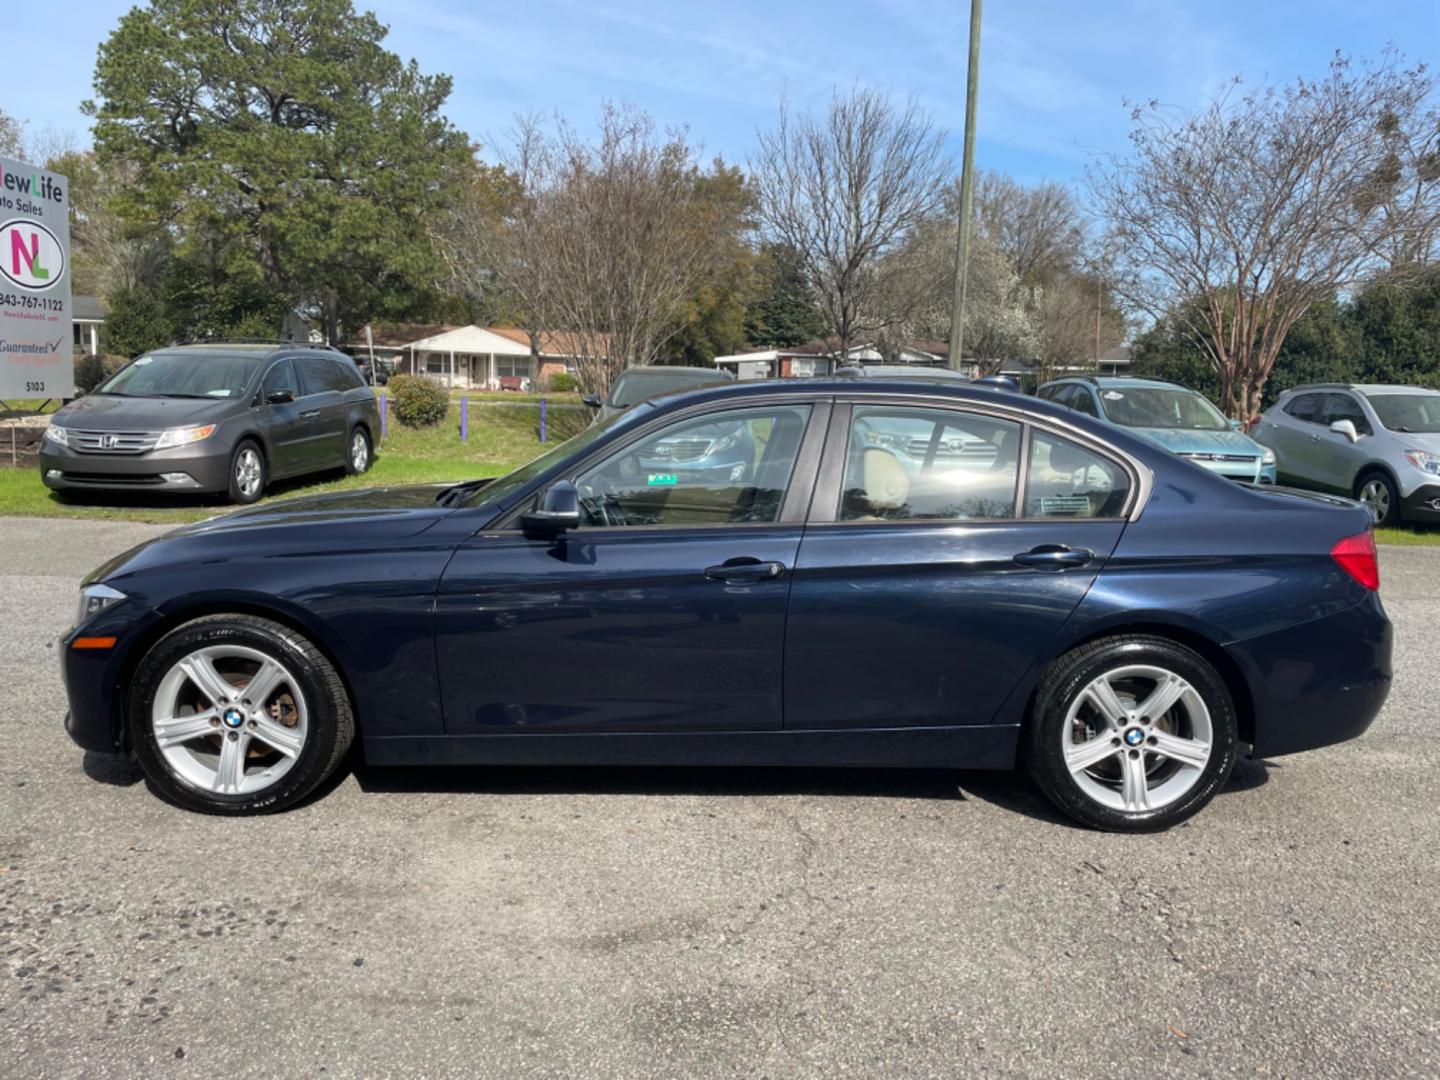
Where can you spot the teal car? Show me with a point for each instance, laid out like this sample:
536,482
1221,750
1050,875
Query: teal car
1175,418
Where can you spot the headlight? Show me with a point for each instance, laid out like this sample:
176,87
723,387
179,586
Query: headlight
1424,461
183,436
95,599
58,435
1267,457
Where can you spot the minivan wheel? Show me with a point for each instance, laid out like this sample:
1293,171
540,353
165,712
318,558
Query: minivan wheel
247,473
1131,733
1378,493
357,457
234,714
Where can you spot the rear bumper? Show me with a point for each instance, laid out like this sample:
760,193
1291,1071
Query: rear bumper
63,469
1318,683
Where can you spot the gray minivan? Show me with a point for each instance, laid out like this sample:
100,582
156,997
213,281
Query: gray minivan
215,417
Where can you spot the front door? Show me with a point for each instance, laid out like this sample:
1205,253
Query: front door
926,588
285,425
664,611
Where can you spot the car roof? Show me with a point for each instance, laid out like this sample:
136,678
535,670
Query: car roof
646,370
1117,382
253,349
1362,388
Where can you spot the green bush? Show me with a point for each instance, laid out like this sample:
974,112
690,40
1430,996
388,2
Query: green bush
418,402
562,382
91,371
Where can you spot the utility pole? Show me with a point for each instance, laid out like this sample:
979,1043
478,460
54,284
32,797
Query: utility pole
967,183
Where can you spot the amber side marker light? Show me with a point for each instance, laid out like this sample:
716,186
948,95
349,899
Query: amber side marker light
1356,556
93,643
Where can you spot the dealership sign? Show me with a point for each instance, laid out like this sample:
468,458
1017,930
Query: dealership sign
36,332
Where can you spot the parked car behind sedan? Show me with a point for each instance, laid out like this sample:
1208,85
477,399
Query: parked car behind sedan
1374,442
217,418
1090,608
1172,417
635,384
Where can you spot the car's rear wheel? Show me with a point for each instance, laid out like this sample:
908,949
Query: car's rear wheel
234,714
248,473
1131,733
1377,492
357,457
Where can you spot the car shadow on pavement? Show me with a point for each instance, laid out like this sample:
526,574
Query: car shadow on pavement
117,770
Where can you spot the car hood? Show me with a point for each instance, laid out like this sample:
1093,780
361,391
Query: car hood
1418,440
366,518
1184,441
101,413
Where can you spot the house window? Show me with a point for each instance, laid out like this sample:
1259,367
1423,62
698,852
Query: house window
512,367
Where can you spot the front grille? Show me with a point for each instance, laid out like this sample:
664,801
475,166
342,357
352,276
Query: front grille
682,449
963,449
1247,459
112,442
129,479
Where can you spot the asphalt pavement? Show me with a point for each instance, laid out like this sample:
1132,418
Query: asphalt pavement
534,922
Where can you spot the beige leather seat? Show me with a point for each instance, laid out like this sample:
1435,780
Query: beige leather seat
887,484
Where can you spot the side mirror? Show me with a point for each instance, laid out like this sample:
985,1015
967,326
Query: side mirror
280,397
593,400
1346,428
559,511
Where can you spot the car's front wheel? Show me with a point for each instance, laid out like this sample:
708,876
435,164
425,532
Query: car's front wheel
1377,492
247,473
234,714
1131,733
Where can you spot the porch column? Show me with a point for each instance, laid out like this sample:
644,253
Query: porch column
94,339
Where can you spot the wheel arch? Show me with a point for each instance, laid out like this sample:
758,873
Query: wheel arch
1375,467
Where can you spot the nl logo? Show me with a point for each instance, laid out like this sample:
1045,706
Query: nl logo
30,255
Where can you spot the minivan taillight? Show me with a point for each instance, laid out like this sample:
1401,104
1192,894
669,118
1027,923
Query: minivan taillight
1356,556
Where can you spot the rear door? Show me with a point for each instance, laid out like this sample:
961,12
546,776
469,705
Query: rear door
325,409
924,591
1293,438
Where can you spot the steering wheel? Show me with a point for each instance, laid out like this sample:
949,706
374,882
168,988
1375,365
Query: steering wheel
598,498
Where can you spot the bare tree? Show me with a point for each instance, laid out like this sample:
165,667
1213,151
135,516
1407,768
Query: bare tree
844,190
601,241
1236,219
1039,229
12,136
1409,190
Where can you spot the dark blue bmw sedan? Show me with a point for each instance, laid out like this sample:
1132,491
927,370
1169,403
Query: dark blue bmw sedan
890,574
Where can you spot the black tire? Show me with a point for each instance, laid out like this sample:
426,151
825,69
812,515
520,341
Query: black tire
351,452
1068,677
330,723
1384,505
243,489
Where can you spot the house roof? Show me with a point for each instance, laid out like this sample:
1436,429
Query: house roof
397,335
90,308
469,339
555,342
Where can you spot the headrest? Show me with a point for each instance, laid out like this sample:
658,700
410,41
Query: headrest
887,485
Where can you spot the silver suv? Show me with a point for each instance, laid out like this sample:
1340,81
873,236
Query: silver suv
1379,444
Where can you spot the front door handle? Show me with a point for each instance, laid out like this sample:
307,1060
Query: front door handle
1054,557
310,415
744,570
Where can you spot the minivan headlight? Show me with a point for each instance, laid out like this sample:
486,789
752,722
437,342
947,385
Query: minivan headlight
183,436
1424,461
58,435
95,599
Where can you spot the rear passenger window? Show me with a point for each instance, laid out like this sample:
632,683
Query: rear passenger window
919,464
1068,480
317,374
1082,402
1303,407
348,376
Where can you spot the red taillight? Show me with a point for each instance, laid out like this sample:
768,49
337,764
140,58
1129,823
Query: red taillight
1356,556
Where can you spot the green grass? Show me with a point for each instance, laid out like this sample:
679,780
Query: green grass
1408,536
500,440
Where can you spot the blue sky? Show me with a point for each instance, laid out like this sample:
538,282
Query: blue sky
1054,74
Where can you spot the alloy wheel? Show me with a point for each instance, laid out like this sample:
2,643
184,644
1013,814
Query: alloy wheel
359,451
1375,494
229,719
248,472
1137,738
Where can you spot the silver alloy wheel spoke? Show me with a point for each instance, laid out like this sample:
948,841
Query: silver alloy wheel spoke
200,669
1163,698
1134,785
230,772
278,736
181,729
263,683
1107,702
1190,752
1091,752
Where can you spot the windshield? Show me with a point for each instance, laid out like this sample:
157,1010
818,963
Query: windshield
184,375
634,387
1161,407
1418,413
510,483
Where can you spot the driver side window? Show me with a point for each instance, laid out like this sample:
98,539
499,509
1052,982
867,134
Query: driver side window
732,467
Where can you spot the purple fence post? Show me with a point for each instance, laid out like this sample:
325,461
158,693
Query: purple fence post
465,418
384,415
542,419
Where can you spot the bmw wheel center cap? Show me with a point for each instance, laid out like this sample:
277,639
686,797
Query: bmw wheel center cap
1133,737
233,717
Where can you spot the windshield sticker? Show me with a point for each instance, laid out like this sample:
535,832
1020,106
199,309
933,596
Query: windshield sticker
143,361
661,479
1065,504
219,393
1113,395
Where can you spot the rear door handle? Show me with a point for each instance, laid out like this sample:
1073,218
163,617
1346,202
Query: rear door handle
1054,557
744,570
